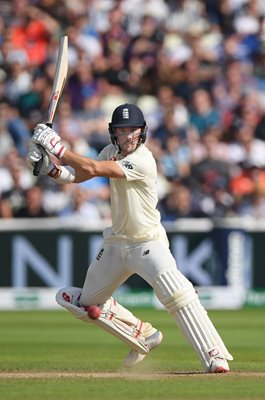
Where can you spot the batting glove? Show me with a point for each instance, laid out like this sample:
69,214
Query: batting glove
49,139
35,154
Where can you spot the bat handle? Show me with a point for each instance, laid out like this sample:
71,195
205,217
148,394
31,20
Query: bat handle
38,165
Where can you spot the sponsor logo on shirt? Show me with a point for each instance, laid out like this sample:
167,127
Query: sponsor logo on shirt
127,164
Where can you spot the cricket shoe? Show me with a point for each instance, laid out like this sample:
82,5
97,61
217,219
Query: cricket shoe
219,366
151,342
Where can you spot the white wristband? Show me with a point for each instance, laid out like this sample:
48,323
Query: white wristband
67,175
63,174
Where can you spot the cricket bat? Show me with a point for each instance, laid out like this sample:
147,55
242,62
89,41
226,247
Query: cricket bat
57,88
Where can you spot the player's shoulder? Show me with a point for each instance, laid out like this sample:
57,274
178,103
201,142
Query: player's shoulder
107,152
143,158
143,151
144,154
139,165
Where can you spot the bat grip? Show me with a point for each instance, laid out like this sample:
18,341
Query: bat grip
38,165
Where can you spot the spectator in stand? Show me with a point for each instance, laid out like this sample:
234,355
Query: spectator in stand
175,163
11,162
116,38
194,66
247,29
6,141
178,204
173,117
166,128
12,201
166,99
248,155
33,206
18,130
248,190
203,113
224,15
213,138
81,85
193,74
254,205
81,207
248,111
33,100
19,79
210,180
30,30
260,127
246,148
228,89
69,126
143,49
93,120
81,43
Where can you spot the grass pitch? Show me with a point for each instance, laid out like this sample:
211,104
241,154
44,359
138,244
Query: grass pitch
51,355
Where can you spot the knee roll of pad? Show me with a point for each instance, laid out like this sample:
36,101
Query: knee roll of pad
174,290
69,298
179,300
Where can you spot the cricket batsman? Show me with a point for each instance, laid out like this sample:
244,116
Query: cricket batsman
136,243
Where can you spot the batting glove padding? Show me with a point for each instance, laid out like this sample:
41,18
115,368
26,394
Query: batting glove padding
49,139
35,154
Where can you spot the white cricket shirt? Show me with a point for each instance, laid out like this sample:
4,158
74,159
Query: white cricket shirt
134,198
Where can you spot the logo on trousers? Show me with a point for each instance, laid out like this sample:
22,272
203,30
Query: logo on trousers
146,252
100,254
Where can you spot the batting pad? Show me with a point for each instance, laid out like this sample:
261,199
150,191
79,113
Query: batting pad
178,295
69,299
108,319
201,333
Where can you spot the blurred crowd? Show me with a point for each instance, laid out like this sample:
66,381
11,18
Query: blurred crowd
195,67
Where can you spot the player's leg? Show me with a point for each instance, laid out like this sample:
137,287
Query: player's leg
110,270
157,266
103,277
177,294
113,318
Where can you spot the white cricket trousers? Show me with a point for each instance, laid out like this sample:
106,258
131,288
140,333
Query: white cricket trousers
116,262
154,262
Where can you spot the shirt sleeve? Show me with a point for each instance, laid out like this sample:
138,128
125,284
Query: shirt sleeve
106,153
135,167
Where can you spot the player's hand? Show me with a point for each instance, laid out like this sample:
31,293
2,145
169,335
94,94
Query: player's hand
35,154
49,139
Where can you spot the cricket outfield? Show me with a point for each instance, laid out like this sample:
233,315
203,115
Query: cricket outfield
50,355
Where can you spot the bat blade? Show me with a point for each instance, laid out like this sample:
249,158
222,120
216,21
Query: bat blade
60,78
57,89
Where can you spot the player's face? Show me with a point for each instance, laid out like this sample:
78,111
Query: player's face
128,139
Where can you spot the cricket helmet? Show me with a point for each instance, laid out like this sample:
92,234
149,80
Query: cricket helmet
127,116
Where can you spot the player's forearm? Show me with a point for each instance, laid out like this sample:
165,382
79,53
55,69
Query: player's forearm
85,168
